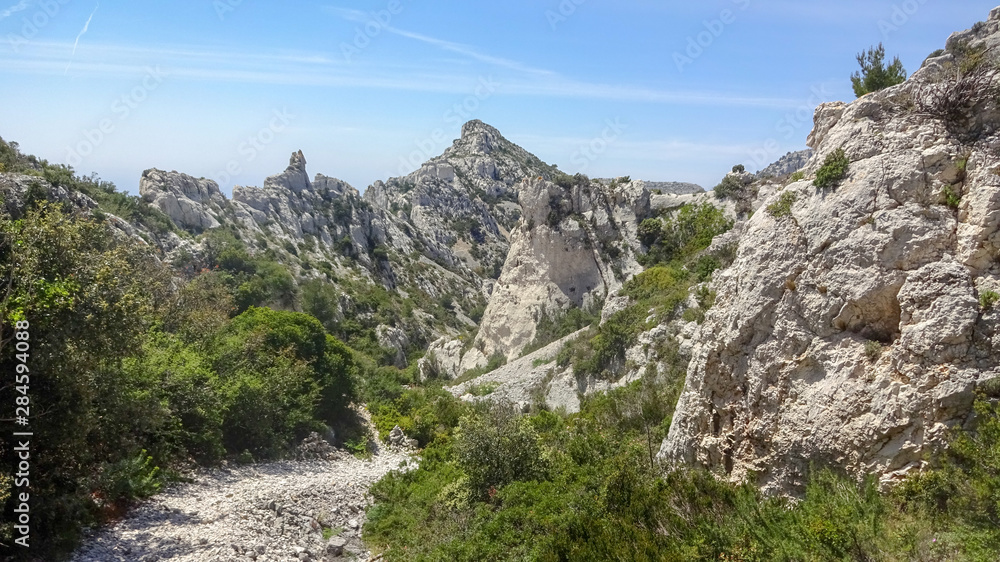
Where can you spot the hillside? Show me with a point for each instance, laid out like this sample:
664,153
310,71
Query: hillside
801,364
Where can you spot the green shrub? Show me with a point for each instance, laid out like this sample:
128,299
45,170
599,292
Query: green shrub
730,186
833,170
551,328
987,299
495,446
951,198
130,478
280,375
704,267
783,206
874,74
873,350
797,176
650,230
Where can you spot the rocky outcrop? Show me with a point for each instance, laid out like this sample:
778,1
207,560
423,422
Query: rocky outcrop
673,188
786,165
192,204
849,331
531,380
464,203
574,247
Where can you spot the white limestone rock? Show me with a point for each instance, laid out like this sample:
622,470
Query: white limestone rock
850,333
191,203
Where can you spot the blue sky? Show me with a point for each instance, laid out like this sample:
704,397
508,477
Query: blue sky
227,89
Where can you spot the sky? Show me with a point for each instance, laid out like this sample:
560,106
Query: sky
228,89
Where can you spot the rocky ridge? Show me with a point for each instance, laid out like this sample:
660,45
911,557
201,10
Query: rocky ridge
441,231
787,164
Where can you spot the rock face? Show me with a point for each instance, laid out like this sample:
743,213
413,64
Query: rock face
442,231
464,203
574,247
673,188
850,331
193,204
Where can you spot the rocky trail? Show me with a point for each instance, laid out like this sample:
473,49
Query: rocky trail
273,512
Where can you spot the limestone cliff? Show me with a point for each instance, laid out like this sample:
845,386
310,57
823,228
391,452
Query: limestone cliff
849,330
575,246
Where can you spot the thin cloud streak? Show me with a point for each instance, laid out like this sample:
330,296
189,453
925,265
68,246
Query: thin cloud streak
357,16
20,6
76,43
469,52
321,70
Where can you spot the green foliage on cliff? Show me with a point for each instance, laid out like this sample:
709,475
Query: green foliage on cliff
875,75
675,262
833,170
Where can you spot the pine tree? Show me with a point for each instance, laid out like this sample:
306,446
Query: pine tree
874,75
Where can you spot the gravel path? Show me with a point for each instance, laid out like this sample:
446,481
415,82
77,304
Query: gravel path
273,512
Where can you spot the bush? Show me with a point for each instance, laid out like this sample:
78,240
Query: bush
280,375
959,97
650,231
89,298
783,206
130,478
554,327
951,198
873,350
874,74
833,170
496,446
730,186
987,299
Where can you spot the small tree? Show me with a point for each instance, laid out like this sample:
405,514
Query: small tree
874,75
496,446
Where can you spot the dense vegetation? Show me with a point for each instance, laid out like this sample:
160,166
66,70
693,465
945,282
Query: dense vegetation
132,378
583,487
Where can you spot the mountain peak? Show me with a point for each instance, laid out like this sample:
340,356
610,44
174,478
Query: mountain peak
297,163
476,126
481,137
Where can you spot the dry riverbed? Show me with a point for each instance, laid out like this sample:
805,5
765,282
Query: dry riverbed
274,512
